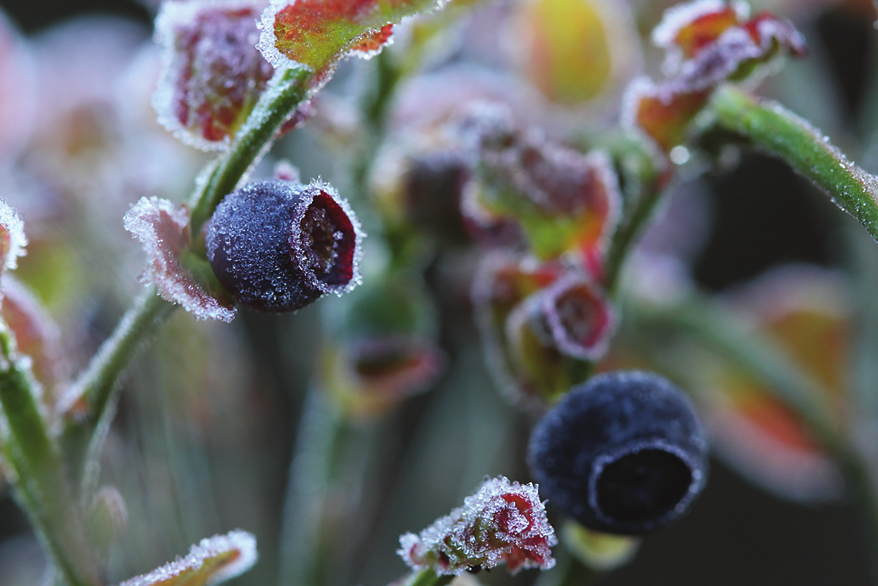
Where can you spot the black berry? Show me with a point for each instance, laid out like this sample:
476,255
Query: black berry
623,453
278,246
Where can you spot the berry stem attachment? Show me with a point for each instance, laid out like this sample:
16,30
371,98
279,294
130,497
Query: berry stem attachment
39,476
644,184
777,131
286,91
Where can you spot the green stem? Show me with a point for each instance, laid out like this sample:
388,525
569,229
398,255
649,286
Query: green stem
772,128
40,478
96,388
322,435
287,90
426,577
645,186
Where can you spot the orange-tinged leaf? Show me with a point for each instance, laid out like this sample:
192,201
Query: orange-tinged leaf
317,34
662,112
708,42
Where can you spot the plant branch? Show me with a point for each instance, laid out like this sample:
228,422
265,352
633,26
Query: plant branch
39,473
776,130
645,185
287,90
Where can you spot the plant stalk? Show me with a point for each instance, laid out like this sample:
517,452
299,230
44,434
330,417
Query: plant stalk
40,479
777,131
287,90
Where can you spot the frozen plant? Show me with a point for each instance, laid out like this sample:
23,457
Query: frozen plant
520,172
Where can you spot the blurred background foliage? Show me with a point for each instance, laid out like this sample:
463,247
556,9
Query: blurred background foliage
203,439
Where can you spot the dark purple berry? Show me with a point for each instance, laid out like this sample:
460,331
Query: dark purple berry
623,453
278,246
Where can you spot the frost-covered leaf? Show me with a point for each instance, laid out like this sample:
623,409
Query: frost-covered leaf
707,42
317,34
565,201
662,111
36,334
212,72
12,238
211,561
502,522
162,230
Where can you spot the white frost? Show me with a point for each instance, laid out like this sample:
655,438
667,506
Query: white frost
240,542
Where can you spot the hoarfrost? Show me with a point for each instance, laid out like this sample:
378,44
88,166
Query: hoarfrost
12,238
160,228
502,522
579,318
211,561
212,73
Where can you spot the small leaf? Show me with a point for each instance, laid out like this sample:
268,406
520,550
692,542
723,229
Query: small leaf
162,229
36,335
212,73
565,201
316,35
370,376
503,522
212,561
806,311
504,281
707,42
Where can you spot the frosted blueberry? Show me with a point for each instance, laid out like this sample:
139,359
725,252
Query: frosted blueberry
278,246
623,453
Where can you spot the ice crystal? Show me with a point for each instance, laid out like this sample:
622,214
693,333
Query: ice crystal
211,561
502,522
212,74
160,227
12,238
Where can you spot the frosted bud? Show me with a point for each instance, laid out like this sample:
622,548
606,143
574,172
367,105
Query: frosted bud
503,522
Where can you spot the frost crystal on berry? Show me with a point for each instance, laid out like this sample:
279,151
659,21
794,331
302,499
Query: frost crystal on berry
502,522
12,238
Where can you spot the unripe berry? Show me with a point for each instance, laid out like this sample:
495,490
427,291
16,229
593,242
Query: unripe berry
278,246
623,453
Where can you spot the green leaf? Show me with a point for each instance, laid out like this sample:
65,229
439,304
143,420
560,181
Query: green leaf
316,35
